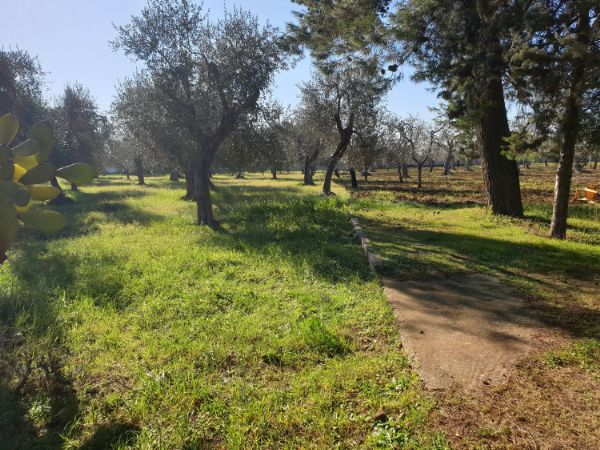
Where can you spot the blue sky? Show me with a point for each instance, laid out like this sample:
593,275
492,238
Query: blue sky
71,39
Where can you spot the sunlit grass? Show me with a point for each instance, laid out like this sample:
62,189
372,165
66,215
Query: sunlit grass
147,331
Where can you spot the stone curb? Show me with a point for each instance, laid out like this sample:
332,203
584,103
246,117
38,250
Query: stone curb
373,258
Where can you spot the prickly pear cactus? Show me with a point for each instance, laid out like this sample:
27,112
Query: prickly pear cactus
24,177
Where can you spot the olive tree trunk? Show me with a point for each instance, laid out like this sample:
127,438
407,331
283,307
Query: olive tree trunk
189,185
419,175
308,178
3,250
61,198
448,163
202,184
344,142
139,169
405,173
353,180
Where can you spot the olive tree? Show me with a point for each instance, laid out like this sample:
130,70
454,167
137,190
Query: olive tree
21,85
81,132
397,151
210,73
421,138
349,91
312,131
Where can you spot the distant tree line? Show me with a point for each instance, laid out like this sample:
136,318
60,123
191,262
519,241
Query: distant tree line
200,102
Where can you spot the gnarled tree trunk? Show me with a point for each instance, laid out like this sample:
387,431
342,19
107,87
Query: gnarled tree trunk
139,169
202,193
405,173
420,175
3,250
61,198
345,136
353,180
448,163
190,188
308,179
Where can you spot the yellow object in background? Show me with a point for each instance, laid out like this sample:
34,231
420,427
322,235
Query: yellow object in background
19,172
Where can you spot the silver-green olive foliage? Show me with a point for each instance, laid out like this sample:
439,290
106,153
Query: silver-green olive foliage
24,177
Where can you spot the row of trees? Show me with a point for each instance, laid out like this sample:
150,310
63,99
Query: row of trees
197,103
541,54
200,100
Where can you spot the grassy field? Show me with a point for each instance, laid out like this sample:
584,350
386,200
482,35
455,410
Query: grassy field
133,328
552,400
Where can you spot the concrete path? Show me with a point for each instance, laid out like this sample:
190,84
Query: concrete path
467,330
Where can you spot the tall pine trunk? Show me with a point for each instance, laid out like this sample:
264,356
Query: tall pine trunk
569,128
501,175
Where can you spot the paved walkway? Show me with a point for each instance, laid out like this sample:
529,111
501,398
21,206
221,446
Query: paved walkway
467,330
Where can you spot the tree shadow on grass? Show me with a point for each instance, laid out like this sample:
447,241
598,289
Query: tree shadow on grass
171,185
35,414
404,250
309,230
113,435
113,182
112,205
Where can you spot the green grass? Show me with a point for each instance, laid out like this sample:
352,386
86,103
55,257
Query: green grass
445,229
422,240
134,328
